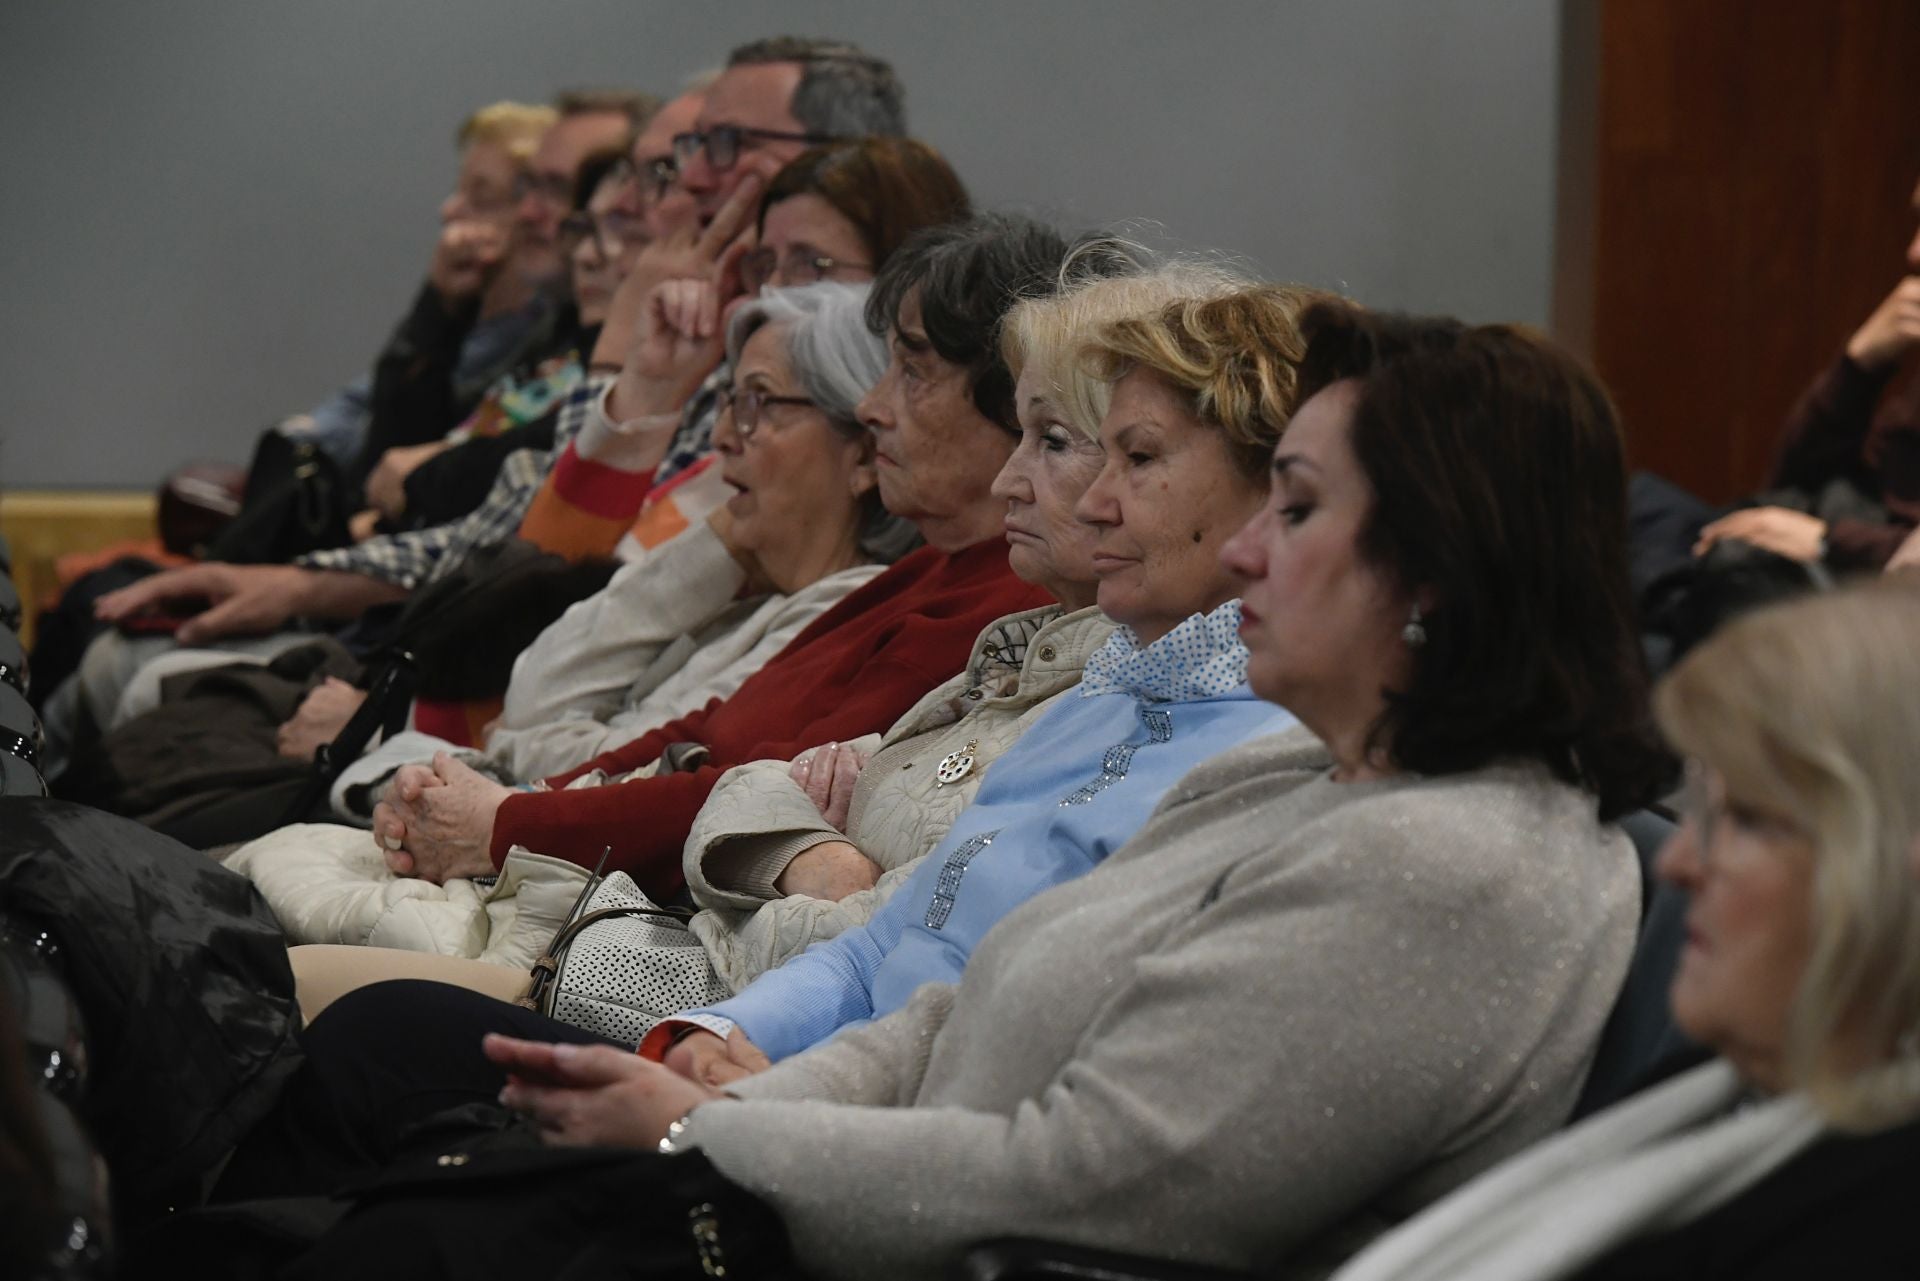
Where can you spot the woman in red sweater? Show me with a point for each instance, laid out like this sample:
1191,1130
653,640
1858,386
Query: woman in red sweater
943,424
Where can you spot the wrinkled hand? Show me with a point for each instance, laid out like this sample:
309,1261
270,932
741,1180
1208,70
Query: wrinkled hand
689,252
322,714
387,482
1892,330
679,343
465,259
1780,530
593,1095
246,599
1907,555
830,870
827,775
706,1060
437,824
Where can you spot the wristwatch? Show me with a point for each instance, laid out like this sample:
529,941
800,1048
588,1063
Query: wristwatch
675,1142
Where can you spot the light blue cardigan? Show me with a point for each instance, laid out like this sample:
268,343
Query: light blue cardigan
1076,787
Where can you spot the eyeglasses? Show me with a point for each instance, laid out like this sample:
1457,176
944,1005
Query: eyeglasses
747,402
722,143
654,177
550,187
610,232
1703,799
763,266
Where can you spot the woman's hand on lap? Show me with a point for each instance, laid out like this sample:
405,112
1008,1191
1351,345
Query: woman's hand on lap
593,1095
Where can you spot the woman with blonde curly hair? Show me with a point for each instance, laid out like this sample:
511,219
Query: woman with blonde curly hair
1795,1151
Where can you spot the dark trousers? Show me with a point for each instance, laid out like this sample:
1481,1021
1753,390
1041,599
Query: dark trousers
380,1061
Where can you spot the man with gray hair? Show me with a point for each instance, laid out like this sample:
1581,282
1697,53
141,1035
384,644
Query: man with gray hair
776,98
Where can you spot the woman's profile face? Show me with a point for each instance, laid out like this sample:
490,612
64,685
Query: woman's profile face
794,472
1322,628
936,454
1167,497
804,239
1749,877
1043,481
595,272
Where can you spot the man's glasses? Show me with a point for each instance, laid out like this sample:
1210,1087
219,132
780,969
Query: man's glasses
763,266
747,402
609,232
654,177
722,143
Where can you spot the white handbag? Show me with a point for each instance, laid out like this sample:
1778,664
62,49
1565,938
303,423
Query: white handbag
623,963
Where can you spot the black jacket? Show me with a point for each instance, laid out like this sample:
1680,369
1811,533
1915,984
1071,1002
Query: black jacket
1842,1208
181,973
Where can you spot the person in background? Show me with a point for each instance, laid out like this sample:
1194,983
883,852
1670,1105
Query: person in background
1854,425
496,144
1793,1152
835,212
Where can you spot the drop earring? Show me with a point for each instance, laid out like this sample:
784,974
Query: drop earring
1414,633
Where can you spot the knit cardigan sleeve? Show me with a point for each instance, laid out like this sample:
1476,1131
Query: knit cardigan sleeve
1227,1098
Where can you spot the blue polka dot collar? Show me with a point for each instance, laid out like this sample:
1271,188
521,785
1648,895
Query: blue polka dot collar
1201,658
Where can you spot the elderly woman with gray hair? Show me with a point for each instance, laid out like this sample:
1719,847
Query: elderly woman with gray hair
689,622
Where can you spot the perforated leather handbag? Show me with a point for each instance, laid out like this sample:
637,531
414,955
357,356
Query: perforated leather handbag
623,963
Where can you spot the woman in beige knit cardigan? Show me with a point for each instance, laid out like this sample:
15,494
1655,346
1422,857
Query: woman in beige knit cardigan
1335,976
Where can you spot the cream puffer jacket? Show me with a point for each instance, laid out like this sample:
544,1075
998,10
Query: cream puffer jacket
757,819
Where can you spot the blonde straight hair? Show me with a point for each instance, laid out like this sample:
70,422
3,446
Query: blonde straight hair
1810,712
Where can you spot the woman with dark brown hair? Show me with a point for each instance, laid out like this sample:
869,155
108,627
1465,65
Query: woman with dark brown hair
837,212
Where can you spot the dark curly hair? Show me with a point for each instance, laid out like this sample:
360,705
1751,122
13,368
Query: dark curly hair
1499,484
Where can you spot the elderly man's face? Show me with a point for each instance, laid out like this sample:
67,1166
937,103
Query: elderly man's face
749,98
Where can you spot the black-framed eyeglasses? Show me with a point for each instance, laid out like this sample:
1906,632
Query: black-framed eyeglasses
654,177
550,187
610,232
722,143
746,404
763,266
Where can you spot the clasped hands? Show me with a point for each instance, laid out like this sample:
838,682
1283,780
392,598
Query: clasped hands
436,822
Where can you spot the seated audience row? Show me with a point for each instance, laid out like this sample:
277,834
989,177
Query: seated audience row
1146,749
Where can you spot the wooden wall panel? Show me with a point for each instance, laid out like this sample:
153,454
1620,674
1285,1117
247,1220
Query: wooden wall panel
1753,168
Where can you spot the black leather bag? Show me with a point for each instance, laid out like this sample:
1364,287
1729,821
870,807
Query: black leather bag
296,502
492,1203
466,629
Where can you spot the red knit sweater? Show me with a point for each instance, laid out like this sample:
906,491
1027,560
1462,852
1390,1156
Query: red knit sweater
855,670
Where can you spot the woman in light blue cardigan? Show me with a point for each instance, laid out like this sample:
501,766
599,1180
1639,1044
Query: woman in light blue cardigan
1075,788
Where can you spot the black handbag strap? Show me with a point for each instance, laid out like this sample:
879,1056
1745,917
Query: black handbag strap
389,696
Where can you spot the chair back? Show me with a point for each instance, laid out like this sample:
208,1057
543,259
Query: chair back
1640,1032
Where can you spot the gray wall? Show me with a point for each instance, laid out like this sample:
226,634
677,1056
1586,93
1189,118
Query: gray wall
211,211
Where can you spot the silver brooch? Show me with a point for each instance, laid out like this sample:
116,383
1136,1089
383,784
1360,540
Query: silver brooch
955,766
